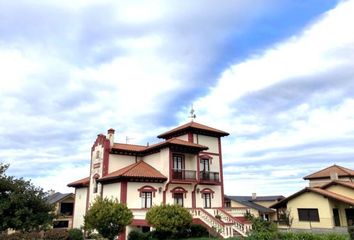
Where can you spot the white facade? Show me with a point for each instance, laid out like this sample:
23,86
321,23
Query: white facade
184,169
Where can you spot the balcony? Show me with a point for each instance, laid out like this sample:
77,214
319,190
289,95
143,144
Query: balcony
209,176
184,175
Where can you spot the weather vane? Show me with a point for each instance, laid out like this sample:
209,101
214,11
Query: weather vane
192,112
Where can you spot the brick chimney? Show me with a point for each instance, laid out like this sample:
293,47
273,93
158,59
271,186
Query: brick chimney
110,135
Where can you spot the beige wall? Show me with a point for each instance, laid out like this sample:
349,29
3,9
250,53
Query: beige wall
117,162
215,202
133,198
345,191
235,204
265,203
183,137
311,200
320,182
111,191
79,207
211,142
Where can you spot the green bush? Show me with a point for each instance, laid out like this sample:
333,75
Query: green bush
76,234
312,236
138,235
197,230
56,234
21,236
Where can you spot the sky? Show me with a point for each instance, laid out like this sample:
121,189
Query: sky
278,75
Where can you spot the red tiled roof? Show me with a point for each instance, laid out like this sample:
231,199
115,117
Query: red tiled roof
80,183
171,141
129,147
326,173
337,182
139,170
320,191
333,195
193,126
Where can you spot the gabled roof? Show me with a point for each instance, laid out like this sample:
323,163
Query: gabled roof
320,191
56,197
247,201
195,128
337,182
140,170
144,149
80,183
326,172
260,198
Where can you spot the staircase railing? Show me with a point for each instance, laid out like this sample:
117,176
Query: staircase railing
238,226
223,229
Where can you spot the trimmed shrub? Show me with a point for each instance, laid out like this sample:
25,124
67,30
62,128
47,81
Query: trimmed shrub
312,236
56,234
198,231
136,235
76,234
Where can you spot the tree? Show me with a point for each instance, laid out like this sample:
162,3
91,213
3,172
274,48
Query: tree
23,206
169,218
261,229
108,217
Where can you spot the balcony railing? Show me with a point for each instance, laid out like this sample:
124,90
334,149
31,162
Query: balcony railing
209,176
181,174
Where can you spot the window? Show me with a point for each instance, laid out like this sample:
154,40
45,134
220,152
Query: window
146,199
308,214
60,224
227,203
178,162
204,165
178,198
207,200
67,209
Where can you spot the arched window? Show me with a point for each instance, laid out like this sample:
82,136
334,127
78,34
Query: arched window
178,194
147,193
207,195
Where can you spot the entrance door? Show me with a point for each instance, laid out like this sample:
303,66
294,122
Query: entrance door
349,212
336,217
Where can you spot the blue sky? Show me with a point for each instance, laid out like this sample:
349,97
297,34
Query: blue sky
278,75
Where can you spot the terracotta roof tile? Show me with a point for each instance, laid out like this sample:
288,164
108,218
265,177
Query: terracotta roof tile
326,173
128,147
142,149
320,191
333,195
80,183
193,126
337,182
140,169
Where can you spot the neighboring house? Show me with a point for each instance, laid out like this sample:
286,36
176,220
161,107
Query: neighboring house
258,206
64,209
326,175
185,169
329,205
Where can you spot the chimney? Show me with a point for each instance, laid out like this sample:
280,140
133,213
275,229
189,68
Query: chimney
110,134
333,175
254,196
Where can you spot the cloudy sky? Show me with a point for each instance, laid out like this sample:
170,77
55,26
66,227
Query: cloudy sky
277,74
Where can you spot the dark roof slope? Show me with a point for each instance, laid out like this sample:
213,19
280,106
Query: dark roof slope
247,201
56,197
260,198
195,128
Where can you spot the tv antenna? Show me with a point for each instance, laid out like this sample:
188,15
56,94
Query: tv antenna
127,139
192,112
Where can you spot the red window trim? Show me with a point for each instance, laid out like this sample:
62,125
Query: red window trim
207,190
179,190
147,188
204,156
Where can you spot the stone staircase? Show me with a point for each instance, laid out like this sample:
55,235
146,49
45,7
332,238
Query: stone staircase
221,222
